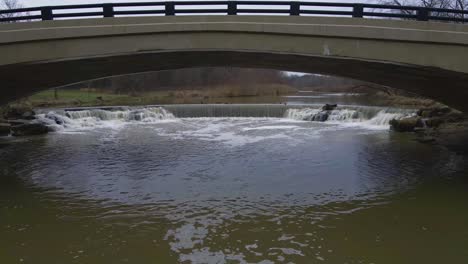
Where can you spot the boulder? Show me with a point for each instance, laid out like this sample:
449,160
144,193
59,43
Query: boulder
29,129
29,115
19,111
57,119
434,117
455,116
454,136
435,121
4,129
433,112
329,107
406,124
321,117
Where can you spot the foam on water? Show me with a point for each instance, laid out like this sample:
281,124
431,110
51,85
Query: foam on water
150,114
365,117
269,128
86,119
231,132
348,116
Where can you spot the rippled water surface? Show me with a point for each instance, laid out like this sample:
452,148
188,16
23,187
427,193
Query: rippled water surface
231,184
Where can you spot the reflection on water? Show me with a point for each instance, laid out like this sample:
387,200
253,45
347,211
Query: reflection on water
165,189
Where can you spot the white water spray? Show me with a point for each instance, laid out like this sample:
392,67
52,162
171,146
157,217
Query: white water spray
375,117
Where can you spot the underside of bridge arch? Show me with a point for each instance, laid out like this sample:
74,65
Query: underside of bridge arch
21,80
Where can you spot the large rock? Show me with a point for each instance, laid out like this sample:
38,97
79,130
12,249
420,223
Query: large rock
433,112
435,121
454,136
59,120
455,116
29,129
436,116
19,111
329,107
29,115
4,129
406,124
321,116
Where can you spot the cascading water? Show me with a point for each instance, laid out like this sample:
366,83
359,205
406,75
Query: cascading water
373,116
76,118
82,118
142,114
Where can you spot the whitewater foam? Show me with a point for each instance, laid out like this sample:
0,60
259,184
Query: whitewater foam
269,128
87,119
349,116
366,117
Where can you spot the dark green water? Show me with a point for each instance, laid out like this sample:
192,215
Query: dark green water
150,187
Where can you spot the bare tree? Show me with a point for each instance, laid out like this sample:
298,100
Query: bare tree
443,4
9,5
458,5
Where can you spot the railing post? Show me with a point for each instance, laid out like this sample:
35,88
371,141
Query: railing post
232,8
295,9
358,10
422,14
108,10
46,13
170,8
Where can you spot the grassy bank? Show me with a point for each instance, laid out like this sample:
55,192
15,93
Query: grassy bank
225,94
86,98
381,98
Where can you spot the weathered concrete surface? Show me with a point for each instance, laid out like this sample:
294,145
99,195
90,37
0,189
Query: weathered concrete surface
430,59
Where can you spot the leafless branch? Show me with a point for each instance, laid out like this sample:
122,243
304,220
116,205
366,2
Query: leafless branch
9,5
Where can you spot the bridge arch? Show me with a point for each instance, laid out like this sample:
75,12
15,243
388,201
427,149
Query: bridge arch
426,58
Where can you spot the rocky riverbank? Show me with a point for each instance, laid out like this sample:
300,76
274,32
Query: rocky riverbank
436,125
440,125
20,120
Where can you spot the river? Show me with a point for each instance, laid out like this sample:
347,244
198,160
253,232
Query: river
230,184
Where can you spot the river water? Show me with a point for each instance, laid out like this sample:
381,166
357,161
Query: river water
230,184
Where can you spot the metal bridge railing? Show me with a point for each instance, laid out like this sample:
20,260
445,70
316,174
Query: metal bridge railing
293,8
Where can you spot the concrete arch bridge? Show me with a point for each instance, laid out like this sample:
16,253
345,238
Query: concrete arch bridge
428,58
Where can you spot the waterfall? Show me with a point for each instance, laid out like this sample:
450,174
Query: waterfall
371,116
143,114
76,118
93,117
